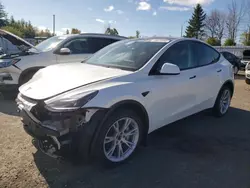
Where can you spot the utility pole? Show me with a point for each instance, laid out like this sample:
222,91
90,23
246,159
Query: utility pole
54,24
182,27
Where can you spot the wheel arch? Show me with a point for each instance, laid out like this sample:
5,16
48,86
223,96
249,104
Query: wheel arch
26,71
230,84
128,104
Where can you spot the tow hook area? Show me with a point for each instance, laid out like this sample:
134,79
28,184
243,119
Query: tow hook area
52,147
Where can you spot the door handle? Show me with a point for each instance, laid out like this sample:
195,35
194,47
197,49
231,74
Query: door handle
219,70
193,77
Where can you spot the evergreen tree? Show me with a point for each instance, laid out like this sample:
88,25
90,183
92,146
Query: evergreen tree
3,16
196,23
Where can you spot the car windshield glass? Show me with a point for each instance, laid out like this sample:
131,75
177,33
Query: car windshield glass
50,43
127,54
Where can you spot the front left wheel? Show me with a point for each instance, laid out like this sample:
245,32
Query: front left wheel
119,137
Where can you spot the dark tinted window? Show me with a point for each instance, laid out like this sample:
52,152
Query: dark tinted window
99,43
88,44
180,54
79,46
205,55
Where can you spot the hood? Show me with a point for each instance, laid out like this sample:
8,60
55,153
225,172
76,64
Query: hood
11,43
56,79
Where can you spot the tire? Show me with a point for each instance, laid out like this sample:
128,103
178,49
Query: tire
108,153
25,78
247,81
236,70
218,109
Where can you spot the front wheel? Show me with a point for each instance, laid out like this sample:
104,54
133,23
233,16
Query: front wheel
223,101
119,137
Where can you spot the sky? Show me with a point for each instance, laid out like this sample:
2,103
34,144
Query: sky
150,17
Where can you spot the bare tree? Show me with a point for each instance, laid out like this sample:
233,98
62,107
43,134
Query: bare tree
235,15
215,24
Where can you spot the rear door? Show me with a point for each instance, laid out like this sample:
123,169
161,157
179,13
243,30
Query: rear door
208,74
82,48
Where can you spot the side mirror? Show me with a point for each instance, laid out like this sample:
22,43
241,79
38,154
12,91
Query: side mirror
170,69
65,51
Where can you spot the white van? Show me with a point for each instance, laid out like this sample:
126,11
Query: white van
19,60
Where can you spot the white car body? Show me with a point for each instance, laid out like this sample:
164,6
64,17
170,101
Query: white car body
165,98
247,73
39,57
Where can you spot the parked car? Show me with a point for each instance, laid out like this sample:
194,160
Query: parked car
246,58
21,60
247,73
106,106
234,60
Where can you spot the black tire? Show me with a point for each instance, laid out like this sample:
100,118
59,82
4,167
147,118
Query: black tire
25,78
217,109
248,81
99,149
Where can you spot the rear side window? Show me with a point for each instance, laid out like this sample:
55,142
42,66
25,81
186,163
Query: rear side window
99,43
205,55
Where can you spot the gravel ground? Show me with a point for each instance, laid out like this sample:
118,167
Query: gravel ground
200,151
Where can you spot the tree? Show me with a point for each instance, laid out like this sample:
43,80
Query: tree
229,42
111,31
137,34
215,24
245,38
196,23
67,32
3,16
234,18
75,31
213,41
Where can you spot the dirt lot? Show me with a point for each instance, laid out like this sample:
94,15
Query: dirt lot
200,151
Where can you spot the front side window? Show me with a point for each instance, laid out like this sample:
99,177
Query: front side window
126,54
180,54
205,55
79,46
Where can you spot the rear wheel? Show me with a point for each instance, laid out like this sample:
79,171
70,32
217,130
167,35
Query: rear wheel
223,101
119,137
248,81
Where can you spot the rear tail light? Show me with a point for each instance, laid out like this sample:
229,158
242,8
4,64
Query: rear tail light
8,63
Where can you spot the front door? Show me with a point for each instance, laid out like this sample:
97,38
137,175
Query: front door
173,96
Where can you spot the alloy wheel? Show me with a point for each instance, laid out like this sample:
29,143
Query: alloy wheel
121,139
225,101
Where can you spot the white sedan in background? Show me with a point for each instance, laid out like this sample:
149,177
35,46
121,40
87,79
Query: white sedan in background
106,106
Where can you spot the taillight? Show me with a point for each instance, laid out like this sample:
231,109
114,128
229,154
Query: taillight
8,63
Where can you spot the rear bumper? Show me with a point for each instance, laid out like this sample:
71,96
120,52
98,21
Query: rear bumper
8,87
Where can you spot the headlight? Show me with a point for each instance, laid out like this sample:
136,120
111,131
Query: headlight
70,101
248,66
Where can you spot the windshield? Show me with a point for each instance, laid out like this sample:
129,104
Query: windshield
126,54
50,43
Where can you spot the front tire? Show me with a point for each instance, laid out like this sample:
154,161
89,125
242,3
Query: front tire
223,101
119,137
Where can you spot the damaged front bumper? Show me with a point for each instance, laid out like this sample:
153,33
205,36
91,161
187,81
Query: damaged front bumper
60,134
